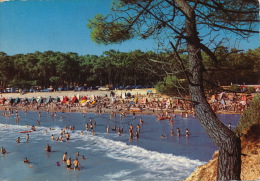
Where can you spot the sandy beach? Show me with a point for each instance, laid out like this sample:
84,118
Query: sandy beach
150,94
80,93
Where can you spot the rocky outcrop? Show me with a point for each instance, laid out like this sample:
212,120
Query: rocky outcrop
250,141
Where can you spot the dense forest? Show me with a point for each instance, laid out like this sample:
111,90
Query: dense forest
117,68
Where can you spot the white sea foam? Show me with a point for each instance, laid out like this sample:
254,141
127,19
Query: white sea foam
154,165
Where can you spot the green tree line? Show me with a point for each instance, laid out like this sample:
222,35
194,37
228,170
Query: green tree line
58,69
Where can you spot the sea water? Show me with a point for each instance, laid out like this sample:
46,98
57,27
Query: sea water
108,155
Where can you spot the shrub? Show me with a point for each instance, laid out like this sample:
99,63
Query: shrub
250,116
250,90
235,88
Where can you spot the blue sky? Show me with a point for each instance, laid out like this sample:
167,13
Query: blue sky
60,25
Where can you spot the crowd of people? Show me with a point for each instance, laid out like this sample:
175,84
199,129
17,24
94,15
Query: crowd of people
125,103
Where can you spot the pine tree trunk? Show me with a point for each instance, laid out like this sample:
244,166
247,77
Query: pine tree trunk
229,166
229,159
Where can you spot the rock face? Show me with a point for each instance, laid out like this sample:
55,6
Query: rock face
250,141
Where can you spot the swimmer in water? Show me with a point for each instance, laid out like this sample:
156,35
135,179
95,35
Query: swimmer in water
229,125
187,132
26,160
172,132
76,164
163,136
82,157
3,151
52,137
108,129
77,154
64,158
27,137
18,140
178,132
48,148
137,134
68,162
67,136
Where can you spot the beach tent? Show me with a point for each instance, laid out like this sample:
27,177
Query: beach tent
2,101
74,99
65,99
123,96
48,100
24,100
32,99
56,100
223,102
93,102
78,96
10,100
17,100
40,100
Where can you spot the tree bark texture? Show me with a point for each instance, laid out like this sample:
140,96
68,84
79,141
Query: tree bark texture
229,165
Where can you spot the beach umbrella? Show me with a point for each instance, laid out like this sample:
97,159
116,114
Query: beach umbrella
223,102
149,91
